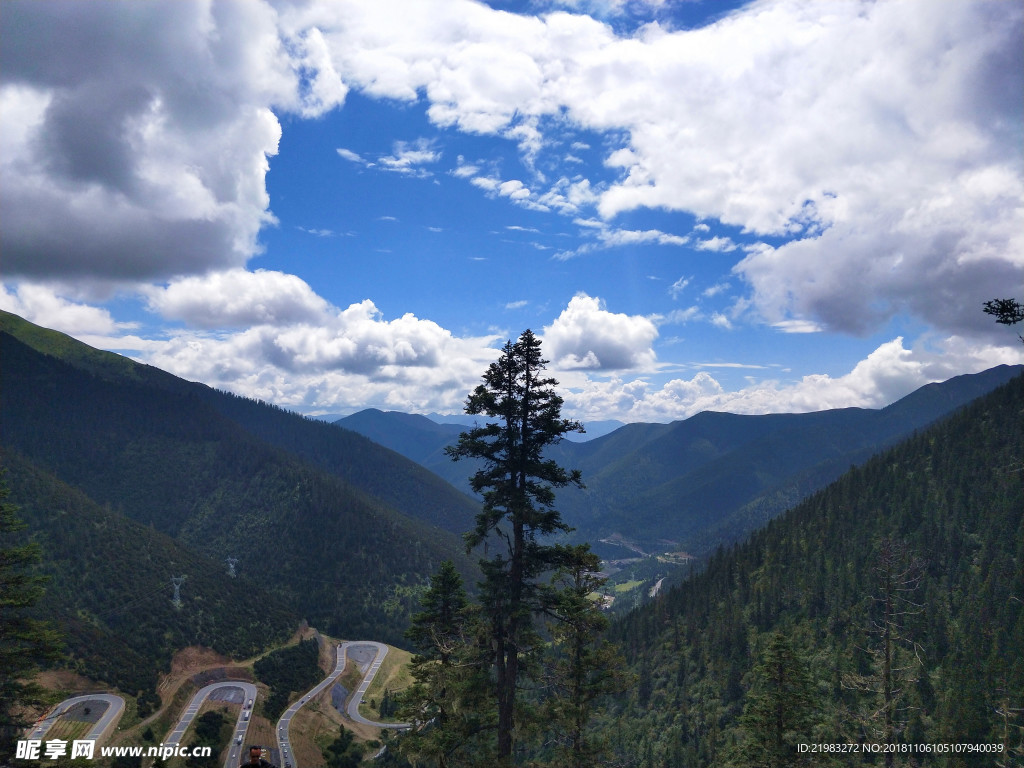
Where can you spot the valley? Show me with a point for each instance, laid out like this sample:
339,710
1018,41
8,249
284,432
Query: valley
185,533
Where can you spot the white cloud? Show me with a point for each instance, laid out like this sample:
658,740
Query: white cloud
43,305
866,131
237,298
513,189
409,157
890,372
318,232
678,287
587,336
517,304
570,196
348,154
797,326
884,137
611,237
715,289
311,355
678,316
717,244
152,148
721,321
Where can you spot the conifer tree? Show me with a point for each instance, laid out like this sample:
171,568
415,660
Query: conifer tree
584,667
778,711
24,642
445,705
895,654
1006,311
517,484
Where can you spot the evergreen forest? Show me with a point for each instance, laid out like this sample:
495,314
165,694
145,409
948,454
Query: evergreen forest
887,607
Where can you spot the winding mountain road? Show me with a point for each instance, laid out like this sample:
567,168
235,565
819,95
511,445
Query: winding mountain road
357,697
115,707
241,725
114,710
283,742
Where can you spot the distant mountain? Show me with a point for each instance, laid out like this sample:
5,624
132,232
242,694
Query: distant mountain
715,477
416,437
706,480
315,513
917,553
594,428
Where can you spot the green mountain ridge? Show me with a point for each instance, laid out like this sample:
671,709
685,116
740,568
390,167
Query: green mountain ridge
169,454
707,480
945,510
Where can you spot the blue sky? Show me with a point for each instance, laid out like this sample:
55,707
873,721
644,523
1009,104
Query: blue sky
752,207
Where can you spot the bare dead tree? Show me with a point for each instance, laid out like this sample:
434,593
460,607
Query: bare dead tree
896,656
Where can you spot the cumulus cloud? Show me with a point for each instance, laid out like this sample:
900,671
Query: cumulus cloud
866,131
882,139
587,336
718,244
142,135
44,305
877,146
319,357
890,372
238,298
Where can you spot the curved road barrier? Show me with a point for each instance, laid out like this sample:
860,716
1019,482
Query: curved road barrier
241,726
115,708
283,742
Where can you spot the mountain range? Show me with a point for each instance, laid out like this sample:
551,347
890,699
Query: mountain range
341,530
884,609
703,481
129,477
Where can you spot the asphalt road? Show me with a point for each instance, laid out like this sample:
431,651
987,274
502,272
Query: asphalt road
115,708
241,725
357,697
284,746
283,743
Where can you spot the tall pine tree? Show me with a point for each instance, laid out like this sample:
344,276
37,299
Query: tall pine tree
583,666
517,484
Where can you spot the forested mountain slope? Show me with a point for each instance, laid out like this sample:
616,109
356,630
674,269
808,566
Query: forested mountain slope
782,636
706,480
716,477
372,468
155,449
109,588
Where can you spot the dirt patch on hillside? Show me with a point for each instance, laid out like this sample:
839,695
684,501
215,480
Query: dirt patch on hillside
218,674
190,660
66,680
